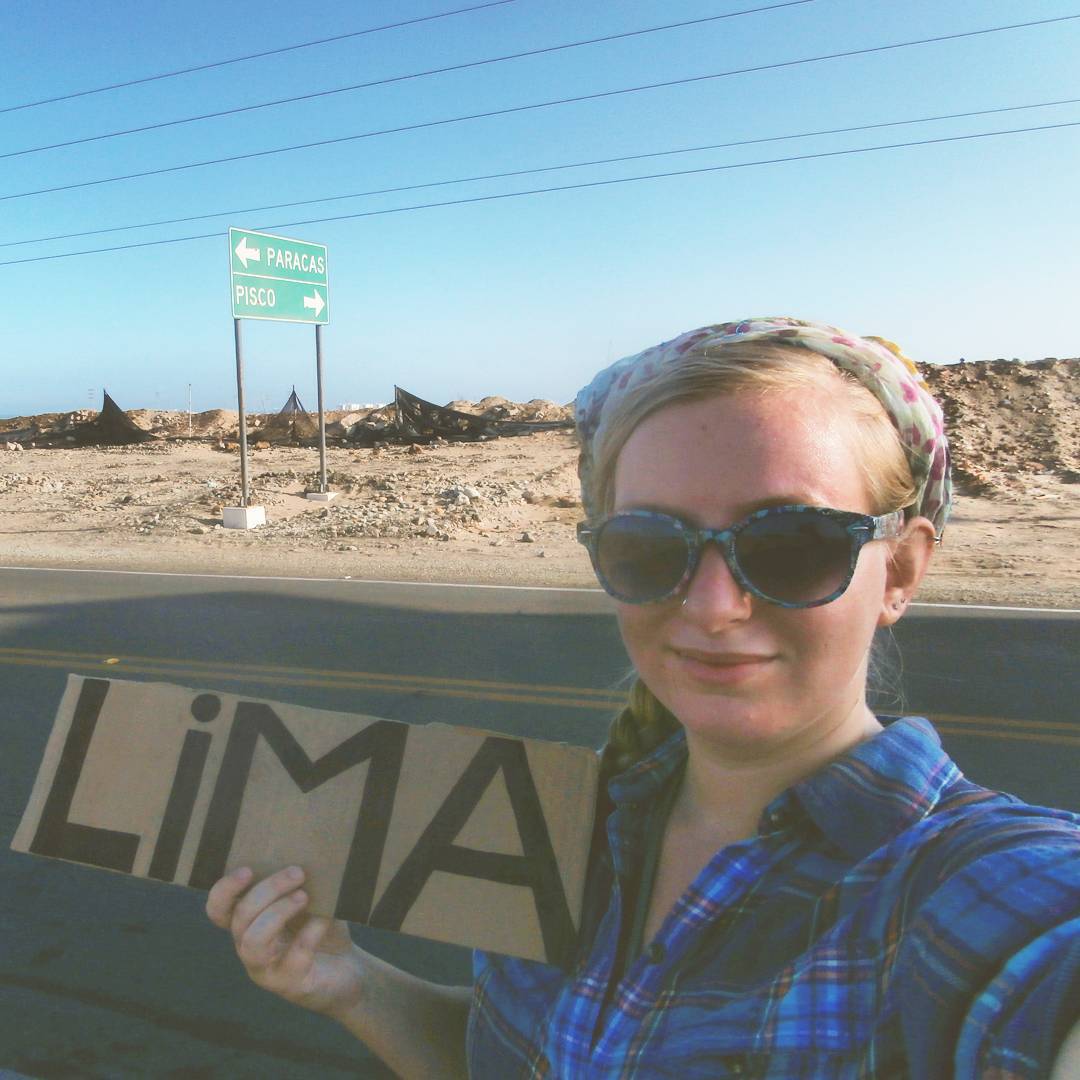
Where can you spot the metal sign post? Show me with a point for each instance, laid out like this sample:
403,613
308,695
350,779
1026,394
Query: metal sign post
322,414
243,419
282,280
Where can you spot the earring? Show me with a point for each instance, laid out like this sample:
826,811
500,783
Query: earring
898,604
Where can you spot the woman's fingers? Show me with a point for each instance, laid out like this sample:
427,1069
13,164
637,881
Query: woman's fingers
224,894
307,959
300,954
267,937
261,896
310,937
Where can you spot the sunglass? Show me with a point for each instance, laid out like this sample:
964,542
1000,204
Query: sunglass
794,556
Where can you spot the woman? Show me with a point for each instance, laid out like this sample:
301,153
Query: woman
789,886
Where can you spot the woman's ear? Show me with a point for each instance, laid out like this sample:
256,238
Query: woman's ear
907,564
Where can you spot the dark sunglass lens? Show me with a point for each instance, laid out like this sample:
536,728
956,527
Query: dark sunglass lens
641,558
796,557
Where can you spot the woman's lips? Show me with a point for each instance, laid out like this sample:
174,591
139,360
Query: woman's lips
720,668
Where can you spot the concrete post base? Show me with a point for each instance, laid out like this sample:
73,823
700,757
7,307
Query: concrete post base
243,517
320,496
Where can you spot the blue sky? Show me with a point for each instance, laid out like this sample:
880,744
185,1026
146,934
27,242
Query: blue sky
957,249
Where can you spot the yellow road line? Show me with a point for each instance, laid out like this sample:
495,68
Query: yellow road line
1047,725
230,671
574,697
393,684
1022,736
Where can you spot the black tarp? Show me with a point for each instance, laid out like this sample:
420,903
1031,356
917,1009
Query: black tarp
291,423
292,406
417,420
111,427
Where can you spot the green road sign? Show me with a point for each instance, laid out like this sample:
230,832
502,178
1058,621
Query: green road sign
273,277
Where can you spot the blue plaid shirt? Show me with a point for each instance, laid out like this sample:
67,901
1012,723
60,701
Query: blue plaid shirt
890,919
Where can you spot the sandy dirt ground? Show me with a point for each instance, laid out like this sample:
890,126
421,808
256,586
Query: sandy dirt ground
497,512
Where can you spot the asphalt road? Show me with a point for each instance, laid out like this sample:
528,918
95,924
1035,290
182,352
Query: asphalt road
109,976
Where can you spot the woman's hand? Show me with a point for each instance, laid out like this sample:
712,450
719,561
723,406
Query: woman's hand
306,959
417,1027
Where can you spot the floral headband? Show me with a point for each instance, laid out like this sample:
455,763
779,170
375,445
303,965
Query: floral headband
878,364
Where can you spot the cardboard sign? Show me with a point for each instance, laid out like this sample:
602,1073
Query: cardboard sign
448,833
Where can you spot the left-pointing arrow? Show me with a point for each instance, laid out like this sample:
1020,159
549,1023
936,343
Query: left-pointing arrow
316,302
243,252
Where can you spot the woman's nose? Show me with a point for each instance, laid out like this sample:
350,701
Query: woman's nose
713,597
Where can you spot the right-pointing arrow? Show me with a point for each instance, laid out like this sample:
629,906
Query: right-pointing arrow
316,302
243,252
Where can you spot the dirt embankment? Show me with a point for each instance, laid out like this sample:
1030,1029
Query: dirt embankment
1008,421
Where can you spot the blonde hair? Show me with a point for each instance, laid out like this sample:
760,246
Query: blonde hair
741,367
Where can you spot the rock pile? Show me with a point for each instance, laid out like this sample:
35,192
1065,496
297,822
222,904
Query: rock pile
401,505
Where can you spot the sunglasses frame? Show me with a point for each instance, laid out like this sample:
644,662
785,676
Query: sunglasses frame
860,528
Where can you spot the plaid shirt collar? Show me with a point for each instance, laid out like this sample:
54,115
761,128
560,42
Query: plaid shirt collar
901,772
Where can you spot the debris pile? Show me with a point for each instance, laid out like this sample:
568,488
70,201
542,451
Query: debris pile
407,420
213,423
411,419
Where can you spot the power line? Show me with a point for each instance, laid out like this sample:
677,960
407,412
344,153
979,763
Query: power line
253,56
564,187
399,78
536,105
547,168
